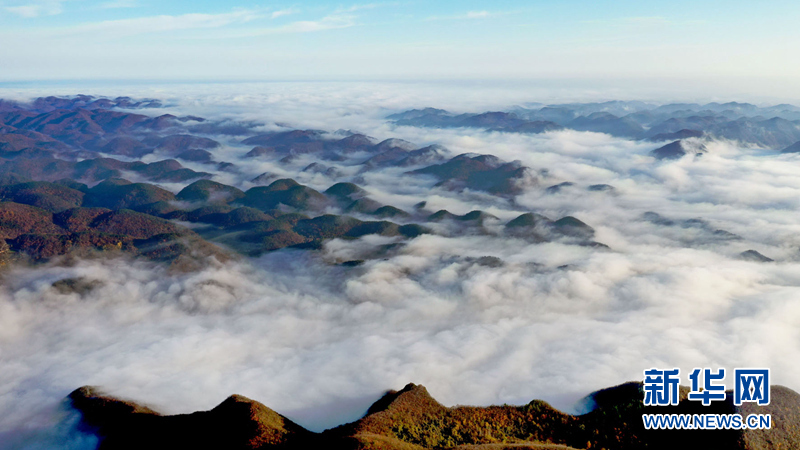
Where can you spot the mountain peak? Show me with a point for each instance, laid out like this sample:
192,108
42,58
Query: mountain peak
411,397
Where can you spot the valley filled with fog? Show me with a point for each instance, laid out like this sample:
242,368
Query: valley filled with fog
590,257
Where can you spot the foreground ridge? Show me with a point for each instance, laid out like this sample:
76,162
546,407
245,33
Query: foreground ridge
412,419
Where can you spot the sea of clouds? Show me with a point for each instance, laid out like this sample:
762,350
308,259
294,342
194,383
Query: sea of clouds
320,342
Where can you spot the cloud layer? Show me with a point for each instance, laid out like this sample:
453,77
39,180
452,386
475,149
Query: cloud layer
320,342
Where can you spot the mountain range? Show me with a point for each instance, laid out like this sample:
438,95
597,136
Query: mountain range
774,127
66,166
411,419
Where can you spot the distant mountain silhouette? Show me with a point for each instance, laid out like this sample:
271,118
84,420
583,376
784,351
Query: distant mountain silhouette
772,127
676,136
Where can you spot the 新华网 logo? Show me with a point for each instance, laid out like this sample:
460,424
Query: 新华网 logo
661,388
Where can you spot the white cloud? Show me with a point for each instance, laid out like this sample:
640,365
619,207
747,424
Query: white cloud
282,12
167,23
115,4
164,23
331,22
471,15
365,6
477,14
37,9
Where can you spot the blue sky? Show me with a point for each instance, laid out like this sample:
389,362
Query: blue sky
320,40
